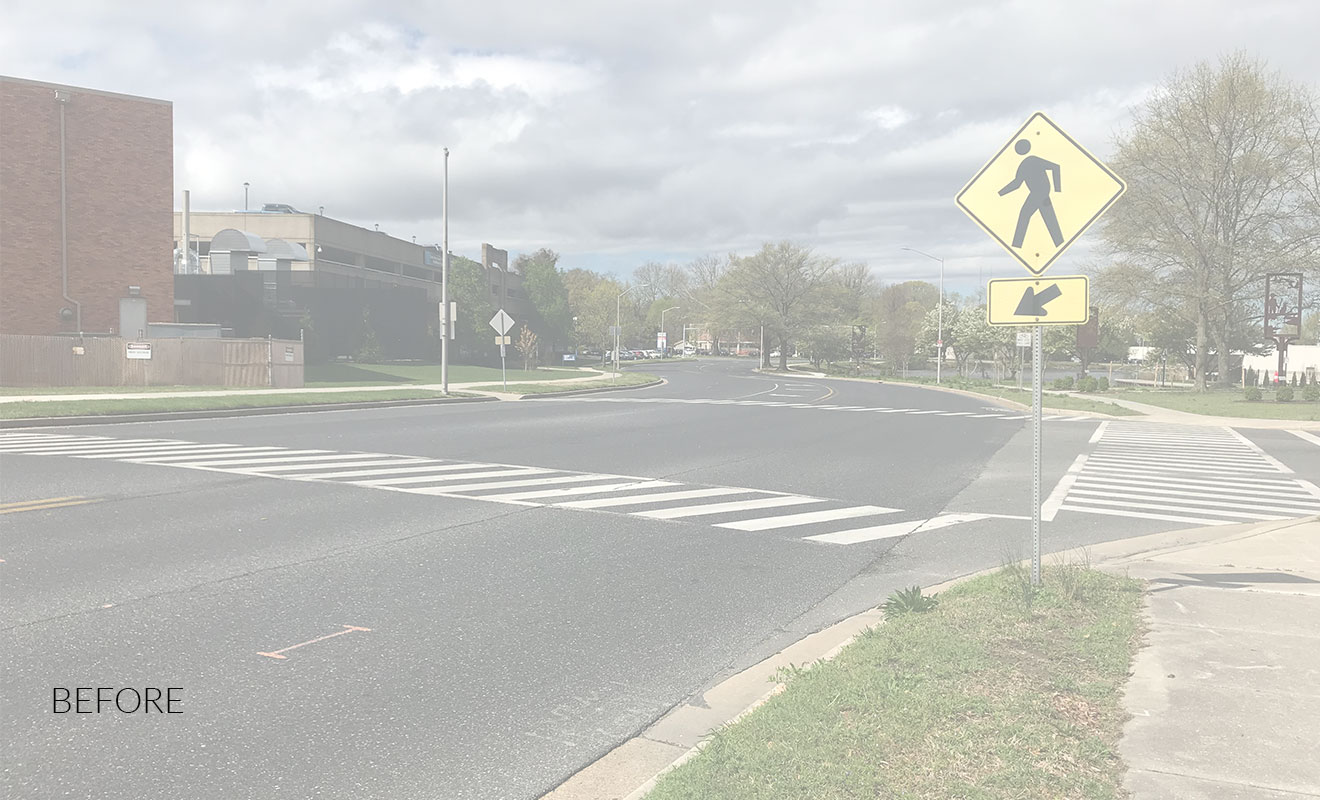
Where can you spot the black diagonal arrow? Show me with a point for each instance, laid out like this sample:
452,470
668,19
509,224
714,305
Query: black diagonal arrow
1033,304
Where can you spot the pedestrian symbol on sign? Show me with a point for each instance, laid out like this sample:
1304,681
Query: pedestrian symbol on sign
1035,172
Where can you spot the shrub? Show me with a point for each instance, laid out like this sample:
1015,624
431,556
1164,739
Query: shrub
909,601
1284,394
1311,393
1253,394
1062,383
1087,384
1102,384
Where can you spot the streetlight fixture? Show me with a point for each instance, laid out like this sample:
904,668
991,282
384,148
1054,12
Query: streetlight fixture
245,195
662,323
618,317
939,343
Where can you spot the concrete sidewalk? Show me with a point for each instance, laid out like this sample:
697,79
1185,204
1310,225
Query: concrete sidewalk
1225,693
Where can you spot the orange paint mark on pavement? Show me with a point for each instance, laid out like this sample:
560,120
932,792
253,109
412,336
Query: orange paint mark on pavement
347,629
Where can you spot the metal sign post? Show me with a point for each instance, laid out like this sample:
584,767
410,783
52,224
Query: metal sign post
502,322
1066,190
1037,381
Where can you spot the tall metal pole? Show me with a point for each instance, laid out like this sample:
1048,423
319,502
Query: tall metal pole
939,359
1038,378
939,333
444,283
618,305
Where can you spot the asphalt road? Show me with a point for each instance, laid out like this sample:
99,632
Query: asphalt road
396,603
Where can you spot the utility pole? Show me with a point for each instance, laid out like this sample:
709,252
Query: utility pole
447,323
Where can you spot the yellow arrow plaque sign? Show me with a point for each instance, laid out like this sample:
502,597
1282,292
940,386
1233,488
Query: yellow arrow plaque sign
1039,193
1039,301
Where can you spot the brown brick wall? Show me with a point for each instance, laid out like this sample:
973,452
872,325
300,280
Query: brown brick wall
120,186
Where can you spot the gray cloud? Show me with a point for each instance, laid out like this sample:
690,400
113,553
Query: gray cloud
616,133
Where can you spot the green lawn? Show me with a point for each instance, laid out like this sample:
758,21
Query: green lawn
77,408
980,698
624,379
1222,403
349,374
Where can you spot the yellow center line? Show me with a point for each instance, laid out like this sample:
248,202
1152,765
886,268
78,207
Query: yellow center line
42,500
41,506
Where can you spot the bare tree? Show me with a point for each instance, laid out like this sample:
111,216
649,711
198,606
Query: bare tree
1222,173
526,345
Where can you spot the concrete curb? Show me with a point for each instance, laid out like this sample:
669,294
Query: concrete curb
201,413
632,769
598,390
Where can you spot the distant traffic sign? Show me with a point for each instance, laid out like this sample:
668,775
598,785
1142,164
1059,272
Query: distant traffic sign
1039,301
1039,193
501,322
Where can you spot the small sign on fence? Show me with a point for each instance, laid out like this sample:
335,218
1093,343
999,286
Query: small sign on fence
288,352
140,350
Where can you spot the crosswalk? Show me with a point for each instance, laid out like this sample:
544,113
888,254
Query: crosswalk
732,508
1183,474
1005,414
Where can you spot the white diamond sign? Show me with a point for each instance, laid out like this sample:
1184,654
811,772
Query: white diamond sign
501,322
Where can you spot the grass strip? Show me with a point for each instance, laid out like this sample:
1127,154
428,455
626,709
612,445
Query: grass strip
1226,403
13,391
1057,402
350,374
624,379
78,408
996,693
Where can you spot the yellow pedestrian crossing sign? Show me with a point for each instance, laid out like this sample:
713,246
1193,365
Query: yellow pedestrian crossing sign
1039,193
1064,300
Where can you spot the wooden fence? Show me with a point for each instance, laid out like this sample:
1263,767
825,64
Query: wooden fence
107,361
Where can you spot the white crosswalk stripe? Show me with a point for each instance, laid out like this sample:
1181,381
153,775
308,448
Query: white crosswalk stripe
728,507
1184,474
1006,414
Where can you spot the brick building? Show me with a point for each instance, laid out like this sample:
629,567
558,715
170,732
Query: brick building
86,207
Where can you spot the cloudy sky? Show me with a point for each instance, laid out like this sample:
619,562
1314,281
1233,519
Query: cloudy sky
622,132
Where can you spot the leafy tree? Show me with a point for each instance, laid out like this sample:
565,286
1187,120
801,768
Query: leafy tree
368,348
899,313
1223,187
928,338
547,294
474,339
782,285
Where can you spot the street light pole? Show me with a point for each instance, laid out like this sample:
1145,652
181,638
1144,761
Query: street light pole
939,335
618,309
662,323
245,195
444,282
